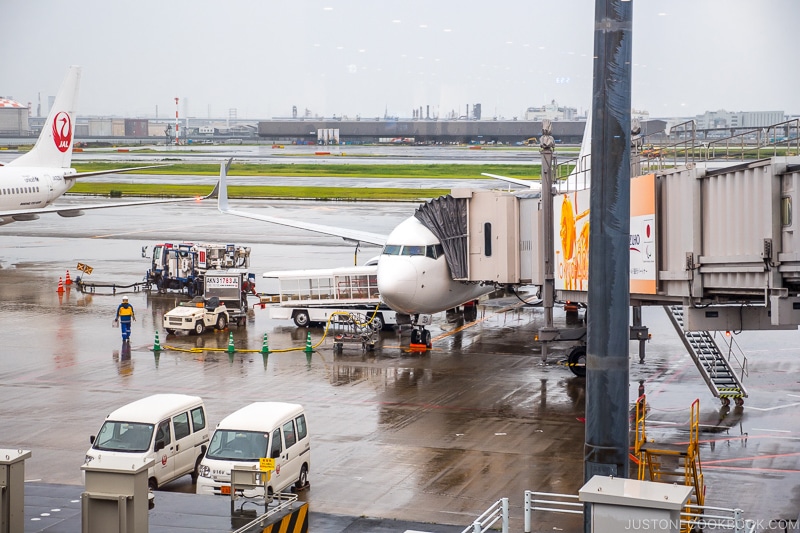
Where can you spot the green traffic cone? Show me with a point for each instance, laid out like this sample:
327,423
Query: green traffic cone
264,347
309,348
156,345
231,348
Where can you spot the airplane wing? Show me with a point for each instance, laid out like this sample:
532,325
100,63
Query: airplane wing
346,234
77,210
530,184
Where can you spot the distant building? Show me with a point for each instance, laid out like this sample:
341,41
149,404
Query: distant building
552,112
14,118
739,119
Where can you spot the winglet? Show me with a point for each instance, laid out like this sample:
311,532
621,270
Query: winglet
222,187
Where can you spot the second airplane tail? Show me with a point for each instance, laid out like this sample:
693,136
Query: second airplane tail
53,148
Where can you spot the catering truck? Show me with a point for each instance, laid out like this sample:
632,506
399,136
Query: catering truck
182,266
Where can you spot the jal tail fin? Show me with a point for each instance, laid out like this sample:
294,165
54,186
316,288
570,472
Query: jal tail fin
53,148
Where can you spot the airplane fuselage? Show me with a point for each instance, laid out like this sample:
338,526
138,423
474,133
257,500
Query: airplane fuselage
24,188
413,276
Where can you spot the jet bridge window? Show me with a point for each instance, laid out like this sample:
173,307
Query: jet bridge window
786,211
487,239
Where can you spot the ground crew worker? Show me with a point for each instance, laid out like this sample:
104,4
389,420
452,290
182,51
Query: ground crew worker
124,316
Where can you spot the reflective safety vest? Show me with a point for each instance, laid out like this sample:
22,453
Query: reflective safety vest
125,312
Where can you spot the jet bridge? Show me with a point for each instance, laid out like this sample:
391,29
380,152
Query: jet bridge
718,239
721,241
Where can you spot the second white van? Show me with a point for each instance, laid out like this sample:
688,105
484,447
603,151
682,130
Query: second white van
171,428
274,430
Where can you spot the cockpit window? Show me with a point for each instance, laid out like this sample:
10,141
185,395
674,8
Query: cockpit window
392,249
413,250
434,251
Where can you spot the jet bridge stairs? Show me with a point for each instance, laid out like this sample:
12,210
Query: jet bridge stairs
716,369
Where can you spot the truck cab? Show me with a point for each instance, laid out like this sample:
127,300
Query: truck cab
223,302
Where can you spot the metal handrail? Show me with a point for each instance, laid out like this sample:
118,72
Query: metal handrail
284,501
498,511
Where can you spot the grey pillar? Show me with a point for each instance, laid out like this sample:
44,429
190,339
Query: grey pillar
607,373
116,499
12,490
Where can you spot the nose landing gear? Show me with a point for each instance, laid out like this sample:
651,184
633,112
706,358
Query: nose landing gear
420,338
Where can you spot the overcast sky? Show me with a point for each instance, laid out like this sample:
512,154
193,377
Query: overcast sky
371,57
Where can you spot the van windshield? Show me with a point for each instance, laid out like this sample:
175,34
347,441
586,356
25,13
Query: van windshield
124,437
232,445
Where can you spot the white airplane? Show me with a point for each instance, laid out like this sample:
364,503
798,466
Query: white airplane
413,276
33,181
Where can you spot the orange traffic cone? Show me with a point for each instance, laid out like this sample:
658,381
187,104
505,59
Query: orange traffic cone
60,285
68,280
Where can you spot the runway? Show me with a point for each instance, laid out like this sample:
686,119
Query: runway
431,438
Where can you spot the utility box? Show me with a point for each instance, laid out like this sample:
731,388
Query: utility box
630,505
116,499
12,490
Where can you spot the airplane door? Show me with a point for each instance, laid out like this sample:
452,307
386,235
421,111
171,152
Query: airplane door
48,189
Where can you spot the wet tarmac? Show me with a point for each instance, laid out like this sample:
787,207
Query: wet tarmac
430,438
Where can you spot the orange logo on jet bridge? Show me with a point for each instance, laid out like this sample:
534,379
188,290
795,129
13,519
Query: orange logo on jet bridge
573,266
62,131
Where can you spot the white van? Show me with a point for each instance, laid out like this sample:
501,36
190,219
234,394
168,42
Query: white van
262,429
171,428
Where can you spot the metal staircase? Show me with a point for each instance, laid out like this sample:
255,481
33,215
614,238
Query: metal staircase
715,368
673,463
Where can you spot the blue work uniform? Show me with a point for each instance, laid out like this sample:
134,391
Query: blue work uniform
125,315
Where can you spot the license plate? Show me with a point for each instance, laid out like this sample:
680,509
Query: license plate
225,489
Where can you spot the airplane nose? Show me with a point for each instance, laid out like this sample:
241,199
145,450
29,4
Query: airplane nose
397,283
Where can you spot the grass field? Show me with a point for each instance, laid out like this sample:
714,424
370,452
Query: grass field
390,172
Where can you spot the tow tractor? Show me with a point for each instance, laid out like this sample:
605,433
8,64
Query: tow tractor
181,267
223,302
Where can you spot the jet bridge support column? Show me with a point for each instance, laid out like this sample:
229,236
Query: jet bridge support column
548,289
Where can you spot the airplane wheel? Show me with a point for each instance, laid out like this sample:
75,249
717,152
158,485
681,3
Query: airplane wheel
577,361
427,337
415,333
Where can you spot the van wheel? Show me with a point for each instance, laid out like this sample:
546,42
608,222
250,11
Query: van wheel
199,328
302,481
196,472
152,484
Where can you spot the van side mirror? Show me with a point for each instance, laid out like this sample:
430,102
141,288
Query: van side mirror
159,445
91,439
